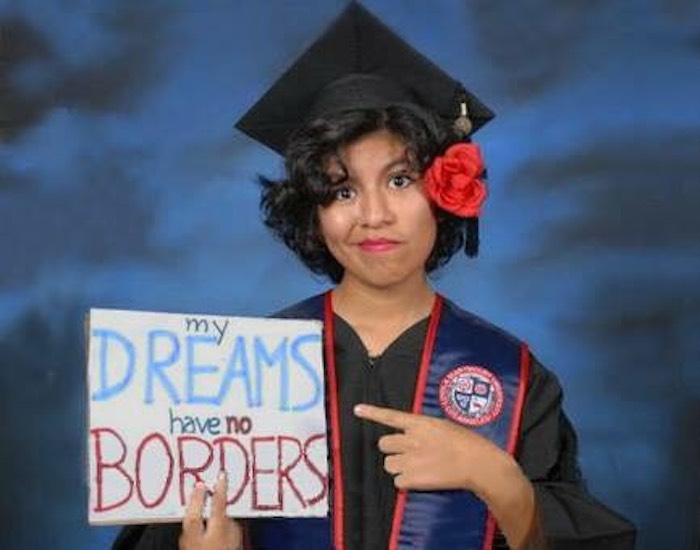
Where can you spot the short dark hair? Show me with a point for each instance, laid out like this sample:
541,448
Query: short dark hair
290,206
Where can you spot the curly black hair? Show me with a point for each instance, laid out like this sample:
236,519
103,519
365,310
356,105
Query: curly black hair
290,207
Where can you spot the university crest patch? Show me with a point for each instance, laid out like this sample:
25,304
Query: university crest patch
471,395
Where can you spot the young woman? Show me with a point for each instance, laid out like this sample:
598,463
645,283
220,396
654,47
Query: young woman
445,432
375,227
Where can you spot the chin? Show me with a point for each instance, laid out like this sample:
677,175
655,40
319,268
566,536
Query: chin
388,280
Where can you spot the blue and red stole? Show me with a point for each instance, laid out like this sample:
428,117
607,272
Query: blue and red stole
471,372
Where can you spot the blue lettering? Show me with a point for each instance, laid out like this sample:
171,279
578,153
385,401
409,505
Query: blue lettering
262,358
308,368
194,369
155,367
238,368
106,390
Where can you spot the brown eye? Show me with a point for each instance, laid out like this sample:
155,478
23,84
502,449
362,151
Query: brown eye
399,181
343,194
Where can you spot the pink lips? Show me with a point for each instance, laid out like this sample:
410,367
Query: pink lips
378,245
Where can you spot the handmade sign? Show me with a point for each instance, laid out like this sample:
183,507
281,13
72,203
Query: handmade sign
174,399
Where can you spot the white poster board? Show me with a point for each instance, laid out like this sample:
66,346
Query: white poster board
175,398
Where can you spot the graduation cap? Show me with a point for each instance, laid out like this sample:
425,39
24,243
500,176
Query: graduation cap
358,62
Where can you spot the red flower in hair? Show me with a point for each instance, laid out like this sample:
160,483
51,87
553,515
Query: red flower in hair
453,181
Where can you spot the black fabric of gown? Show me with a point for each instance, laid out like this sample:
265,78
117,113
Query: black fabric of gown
546,451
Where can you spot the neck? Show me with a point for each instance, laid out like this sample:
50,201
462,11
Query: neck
404,304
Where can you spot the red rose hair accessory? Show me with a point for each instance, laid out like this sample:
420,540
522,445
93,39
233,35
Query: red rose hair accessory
454,180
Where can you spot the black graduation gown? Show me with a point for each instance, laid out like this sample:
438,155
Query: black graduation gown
547,453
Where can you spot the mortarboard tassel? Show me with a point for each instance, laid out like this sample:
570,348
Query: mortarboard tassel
462,125
471,237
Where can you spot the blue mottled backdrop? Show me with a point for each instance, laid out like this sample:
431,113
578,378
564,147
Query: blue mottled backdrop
123,183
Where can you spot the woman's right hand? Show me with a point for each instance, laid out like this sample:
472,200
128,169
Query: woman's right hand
216,533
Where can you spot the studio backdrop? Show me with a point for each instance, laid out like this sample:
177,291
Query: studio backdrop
124,184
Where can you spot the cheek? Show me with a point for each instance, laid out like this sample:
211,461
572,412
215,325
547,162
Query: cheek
431,234
428,223
330,225
429,231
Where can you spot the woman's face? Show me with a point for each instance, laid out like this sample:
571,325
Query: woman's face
379,226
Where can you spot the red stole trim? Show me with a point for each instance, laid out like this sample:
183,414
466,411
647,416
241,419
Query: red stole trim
338,491
520,399
417,407
514,432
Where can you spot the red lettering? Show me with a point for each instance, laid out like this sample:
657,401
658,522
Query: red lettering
270,468
284,469
315,470
256,503
185,470
245,477
101,465
169,476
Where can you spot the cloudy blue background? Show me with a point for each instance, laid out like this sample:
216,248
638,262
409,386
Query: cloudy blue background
123,184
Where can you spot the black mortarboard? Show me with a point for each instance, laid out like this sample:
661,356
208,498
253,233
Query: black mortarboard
358,62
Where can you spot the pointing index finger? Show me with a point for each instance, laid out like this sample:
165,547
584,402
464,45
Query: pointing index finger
388,417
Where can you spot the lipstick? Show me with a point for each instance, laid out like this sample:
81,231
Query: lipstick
378,245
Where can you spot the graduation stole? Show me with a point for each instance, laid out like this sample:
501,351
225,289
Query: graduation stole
470,372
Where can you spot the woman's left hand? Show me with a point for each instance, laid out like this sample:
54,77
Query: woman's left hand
436,454
430,454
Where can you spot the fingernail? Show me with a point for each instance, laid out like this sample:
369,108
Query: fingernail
222,475
358,409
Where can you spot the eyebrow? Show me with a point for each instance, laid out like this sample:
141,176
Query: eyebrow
343,174
397,162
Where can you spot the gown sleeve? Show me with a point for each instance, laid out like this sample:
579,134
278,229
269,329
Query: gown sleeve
157,536
547,452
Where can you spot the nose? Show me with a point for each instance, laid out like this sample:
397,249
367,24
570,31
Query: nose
375,208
